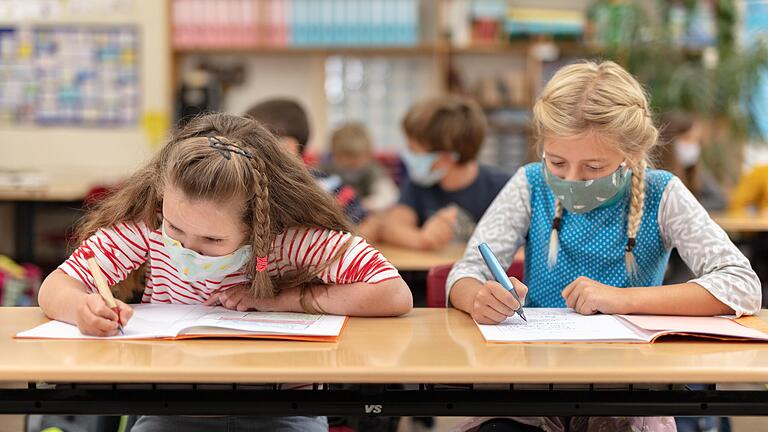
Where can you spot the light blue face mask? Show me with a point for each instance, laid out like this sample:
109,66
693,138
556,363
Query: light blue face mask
420,170
192,266
584,196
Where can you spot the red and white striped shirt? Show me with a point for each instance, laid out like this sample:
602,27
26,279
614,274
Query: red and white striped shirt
125,246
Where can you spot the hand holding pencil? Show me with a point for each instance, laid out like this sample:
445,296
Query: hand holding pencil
96,313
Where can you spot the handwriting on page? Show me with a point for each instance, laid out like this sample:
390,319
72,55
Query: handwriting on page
546,324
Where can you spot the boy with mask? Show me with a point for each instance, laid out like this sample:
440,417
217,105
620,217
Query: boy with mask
446,190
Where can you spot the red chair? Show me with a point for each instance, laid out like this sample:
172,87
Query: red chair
437,276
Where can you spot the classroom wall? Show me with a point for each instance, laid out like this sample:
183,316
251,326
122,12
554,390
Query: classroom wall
300,77
105,152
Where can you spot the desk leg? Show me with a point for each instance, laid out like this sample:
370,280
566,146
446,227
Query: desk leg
24,231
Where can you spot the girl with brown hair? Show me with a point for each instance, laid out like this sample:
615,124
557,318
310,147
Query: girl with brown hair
222,214
680,153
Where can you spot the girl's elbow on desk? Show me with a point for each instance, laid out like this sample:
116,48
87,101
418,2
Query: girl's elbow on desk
56,288
394,297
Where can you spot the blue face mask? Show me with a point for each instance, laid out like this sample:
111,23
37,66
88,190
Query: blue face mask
420,170
192,266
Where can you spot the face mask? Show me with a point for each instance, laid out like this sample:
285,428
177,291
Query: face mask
420,170
687,153
192,266
584,196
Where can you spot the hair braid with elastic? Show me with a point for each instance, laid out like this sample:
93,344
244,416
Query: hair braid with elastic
635,216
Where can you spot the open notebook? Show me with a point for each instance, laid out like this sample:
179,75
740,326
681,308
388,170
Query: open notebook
566,325
165,321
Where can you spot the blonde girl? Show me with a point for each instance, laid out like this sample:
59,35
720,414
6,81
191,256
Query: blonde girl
598,224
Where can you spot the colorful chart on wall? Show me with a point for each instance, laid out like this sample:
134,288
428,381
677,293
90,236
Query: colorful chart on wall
70,75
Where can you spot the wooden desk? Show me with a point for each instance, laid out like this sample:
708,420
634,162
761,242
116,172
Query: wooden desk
429,346
59,191
405,259
741,223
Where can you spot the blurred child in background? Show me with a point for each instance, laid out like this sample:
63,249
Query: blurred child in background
352,160
680,154
751,197
447,190
751,194
287,119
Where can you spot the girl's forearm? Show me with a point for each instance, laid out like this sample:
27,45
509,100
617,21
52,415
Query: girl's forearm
387,298
679,299
61,296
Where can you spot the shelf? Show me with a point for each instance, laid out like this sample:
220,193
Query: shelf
371,50
513,47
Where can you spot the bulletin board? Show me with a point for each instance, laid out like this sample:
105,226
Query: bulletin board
70,75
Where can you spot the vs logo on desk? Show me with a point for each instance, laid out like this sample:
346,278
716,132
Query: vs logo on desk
373,409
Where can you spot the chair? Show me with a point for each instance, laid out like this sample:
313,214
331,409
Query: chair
437,276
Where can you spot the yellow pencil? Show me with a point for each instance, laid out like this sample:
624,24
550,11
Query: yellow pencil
102,285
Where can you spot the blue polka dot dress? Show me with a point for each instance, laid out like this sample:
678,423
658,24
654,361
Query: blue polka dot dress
592,244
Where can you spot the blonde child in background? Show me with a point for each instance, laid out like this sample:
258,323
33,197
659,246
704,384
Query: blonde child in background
352,160
447,190
223,215
288,120
597,226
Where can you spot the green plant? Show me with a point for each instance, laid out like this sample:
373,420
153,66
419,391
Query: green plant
716,83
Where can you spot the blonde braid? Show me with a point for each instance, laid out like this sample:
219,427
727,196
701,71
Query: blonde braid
261,285
635,216
554,241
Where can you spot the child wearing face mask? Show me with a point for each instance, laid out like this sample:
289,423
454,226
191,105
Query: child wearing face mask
223,215
352,160
598,225
680,154
446,189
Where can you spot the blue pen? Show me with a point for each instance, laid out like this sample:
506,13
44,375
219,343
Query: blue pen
500,275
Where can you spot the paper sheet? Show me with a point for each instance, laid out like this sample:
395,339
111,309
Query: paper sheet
165,321
559,325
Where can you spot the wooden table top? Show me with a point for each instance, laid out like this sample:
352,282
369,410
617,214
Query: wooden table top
426,346
415,260
741,223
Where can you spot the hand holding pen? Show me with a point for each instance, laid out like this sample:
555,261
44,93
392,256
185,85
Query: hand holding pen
495,301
